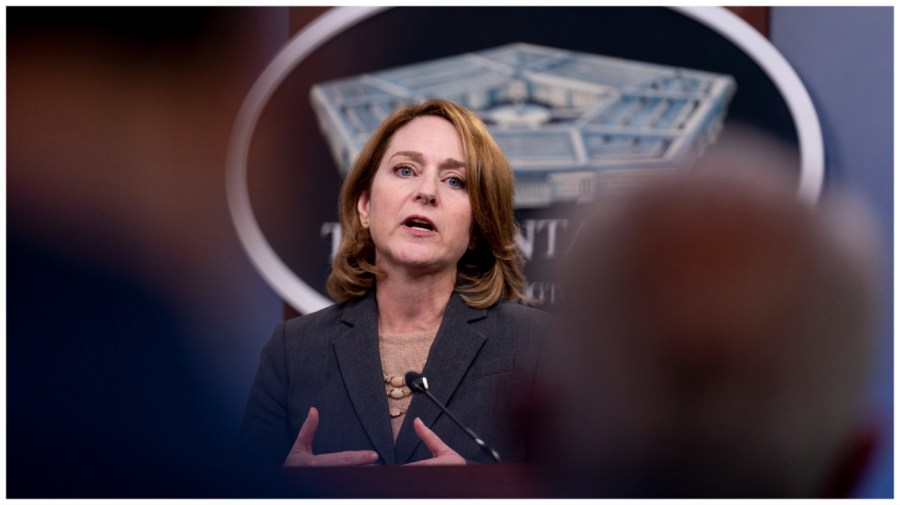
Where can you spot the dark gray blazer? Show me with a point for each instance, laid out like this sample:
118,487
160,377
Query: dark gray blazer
482,365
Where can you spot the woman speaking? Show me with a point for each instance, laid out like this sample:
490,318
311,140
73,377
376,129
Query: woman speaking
428,278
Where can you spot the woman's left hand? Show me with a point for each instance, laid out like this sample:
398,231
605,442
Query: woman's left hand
441,453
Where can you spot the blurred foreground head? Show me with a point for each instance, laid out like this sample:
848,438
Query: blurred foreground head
714,337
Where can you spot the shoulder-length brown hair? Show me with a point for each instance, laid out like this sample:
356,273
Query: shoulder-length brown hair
488,272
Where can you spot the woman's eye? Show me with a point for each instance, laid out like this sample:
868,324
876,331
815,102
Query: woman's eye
404,171
456,182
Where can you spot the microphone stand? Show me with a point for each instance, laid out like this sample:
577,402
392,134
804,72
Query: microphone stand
419,384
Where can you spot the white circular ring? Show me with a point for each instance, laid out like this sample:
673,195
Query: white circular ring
305,299
809,133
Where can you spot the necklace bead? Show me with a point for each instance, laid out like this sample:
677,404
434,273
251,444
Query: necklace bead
398,387
396,381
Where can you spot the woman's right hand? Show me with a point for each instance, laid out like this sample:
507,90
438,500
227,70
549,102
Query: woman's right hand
301,453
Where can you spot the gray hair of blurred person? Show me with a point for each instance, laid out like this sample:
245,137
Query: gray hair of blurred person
715,335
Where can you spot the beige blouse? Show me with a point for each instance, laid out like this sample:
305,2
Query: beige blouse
400,354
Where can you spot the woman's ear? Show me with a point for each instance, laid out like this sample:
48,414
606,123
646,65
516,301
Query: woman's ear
362,207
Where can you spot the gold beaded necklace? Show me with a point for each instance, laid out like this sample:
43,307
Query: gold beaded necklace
398,394
396,390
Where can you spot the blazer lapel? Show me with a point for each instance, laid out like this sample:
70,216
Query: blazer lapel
451,354
359,360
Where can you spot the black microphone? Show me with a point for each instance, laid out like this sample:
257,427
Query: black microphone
419,384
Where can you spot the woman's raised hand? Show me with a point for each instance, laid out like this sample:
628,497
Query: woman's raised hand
441,453
301,453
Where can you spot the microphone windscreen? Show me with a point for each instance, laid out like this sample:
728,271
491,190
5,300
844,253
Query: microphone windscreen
416,382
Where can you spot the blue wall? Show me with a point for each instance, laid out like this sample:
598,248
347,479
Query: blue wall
844,55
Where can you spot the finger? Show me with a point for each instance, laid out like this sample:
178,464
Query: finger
346,458
301,452
431,440
304,440
441,453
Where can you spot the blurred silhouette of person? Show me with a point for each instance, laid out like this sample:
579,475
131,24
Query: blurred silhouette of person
111,121
714,338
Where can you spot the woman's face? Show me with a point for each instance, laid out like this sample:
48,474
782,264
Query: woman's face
418,209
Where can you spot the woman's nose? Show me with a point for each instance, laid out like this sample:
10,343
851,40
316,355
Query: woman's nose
426,198
427,190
